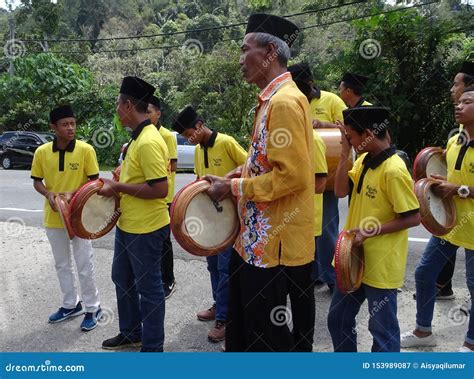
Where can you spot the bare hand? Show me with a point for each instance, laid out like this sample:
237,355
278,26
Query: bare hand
51,196
235,173
444,189
220,187
108,189
346,146
317,124
359,238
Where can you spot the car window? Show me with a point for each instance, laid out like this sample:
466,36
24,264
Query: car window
27,140
183,141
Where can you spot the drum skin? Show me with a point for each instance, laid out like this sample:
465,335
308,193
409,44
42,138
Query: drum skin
437,221
64,210
77,204
349,263
183,230
428,161
332,140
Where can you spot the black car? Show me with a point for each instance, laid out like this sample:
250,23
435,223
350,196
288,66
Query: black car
17,148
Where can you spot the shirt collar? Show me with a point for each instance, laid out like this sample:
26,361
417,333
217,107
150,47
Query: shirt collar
70,147
359,103
374,162
139,128
211,141
274,86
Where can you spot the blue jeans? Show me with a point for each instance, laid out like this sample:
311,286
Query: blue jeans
434,258
382,319
326,243
218,266
136,273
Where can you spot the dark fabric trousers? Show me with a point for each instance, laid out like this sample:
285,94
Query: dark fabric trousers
167,265
258,318
446,275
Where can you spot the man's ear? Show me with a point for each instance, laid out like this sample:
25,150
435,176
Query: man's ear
52,127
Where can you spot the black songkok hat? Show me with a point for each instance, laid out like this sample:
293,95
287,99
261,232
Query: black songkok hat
301,72
274,25
185,120
467,68
354,81
155,101
368,117
137,88
58,113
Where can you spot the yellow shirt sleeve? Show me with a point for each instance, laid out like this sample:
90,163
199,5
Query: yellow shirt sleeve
400,193
337,108
289,121
153,161
91,165
236,152
320,164
172,146
37,165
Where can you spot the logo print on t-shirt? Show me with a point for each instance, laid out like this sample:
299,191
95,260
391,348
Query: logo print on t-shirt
73,166
471,167
371,192
217,161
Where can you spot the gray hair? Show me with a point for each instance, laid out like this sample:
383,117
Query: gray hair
282,48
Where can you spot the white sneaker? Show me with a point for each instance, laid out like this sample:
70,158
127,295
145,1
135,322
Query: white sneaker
408,339
465,349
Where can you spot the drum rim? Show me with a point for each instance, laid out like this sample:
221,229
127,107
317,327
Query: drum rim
428,221
423,157
77,203
343,276
187,243
63,207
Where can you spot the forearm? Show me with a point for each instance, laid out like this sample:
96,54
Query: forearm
40,188
341,181
144,190
174,165
323,125
319,184
400,223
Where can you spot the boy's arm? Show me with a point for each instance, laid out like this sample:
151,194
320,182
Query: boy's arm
341,183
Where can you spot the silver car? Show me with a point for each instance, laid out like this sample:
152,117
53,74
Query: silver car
185,153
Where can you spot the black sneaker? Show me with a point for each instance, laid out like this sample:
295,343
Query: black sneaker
169,289
120,342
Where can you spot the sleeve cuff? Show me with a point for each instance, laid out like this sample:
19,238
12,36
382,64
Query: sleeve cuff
321,174
409,213
153,181
36,178
236,187
93,176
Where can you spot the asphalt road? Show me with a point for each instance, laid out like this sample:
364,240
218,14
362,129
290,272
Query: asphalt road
30,291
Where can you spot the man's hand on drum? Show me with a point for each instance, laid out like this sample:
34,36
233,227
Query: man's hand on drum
219,189
444,189
360,236
108,188
235,173
51,196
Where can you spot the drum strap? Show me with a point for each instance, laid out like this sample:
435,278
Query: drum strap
462,153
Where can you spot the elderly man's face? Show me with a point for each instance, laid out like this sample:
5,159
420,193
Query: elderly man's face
254,60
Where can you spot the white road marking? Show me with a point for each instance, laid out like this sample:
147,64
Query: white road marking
21,210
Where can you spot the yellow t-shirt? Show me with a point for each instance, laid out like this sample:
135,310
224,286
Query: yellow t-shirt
172,146
385,193
63,171
223,155
327,108
147,159
320,169
462,233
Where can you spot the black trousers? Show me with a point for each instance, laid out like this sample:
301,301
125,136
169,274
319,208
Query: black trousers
167,266
445,276
258,318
